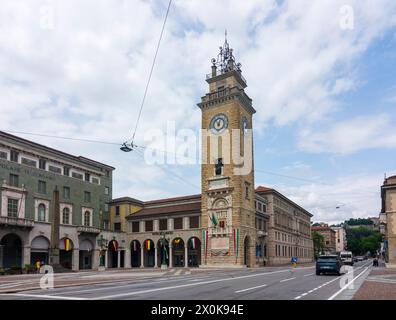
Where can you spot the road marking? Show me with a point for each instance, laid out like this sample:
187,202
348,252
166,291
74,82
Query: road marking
284,280
186,285
41,296
252,288
346,286
328,282
311,274
178,272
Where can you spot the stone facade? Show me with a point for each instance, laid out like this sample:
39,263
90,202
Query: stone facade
289,229
340,238
388,208
329,238
29,174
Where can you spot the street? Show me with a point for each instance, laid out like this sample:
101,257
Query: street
272,283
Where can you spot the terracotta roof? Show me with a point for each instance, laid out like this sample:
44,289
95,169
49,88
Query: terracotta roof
126,199
169,209
261,189
323,228
176,199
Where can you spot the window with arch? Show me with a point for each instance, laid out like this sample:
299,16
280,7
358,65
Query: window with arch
87,218
41,212
66,216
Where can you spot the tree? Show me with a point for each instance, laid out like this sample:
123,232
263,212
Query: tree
363,240
318,242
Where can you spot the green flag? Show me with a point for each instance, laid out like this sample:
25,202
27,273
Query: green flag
213,219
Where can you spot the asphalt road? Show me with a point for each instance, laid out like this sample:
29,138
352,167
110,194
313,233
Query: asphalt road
283,283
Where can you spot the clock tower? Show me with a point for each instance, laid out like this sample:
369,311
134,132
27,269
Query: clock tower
228,212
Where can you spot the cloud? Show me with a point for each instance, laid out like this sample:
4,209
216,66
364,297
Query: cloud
349,136
85,77
355,195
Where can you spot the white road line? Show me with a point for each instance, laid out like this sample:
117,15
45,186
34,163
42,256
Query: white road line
42,296
328,282
307,275
346,286
284,280
252,288
186,285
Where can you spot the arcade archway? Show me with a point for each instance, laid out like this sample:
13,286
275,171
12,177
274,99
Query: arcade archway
112,254
66,253
178,252
149,253
135,254
39,250
85,254
163,252
194,252
12,250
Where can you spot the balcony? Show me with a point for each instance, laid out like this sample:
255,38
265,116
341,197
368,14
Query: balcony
261,233
16,222
220,231
86,229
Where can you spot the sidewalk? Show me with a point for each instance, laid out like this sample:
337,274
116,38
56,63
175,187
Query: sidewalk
379,285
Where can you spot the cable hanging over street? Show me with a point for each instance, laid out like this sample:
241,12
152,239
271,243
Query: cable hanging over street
129,145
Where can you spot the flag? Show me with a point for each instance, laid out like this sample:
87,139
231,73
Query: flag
148,245
135,245
67,244
236,241
193,243
114,245
214,220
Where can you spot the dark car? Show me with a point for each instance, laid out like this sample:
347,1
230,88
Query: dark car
328,263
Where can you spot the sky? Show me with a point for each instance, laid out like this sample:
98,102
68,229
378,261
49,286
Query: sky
322,76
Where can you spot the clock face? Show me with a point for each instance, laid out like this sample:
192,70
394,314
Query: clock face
245,124
219,123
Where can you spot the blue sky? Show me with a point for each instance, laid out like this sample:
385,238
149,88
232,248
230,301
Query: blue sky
325,96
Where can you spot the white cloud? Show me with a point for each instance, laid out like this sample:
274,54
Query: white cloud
356,196
350,136
85,78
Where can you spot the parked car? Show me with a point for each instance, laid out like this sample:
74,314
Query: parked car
328,264
359,258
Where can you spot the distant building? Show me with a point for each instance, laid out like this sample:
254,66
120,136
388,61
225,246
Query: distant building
340,238
329,237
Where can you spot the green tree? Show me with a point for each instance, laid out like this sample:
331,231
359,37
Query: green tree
363,240
318,242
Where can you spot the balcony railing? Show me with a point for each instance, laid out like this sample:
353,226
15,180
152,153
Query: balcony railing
86,229
220,231
18,222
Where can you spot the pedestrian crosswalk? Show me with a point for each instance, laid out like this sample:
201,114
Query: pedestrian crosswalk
177,272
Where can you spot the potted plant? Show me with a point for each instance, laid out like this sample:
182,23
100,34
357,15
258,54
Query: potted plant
15,269
29,268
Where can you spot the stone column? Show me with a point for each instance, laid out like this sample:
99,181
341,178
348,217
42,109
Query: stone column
106,259
1,256
170,257
185,256
142,257
118,258
156,257
127,259
95,259
75,260
26,256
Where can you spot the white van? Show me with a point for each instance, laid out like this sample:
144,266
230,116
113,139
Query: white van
346,257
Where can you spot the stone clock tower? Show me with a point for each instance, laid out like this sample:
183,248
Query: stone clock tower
228,212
